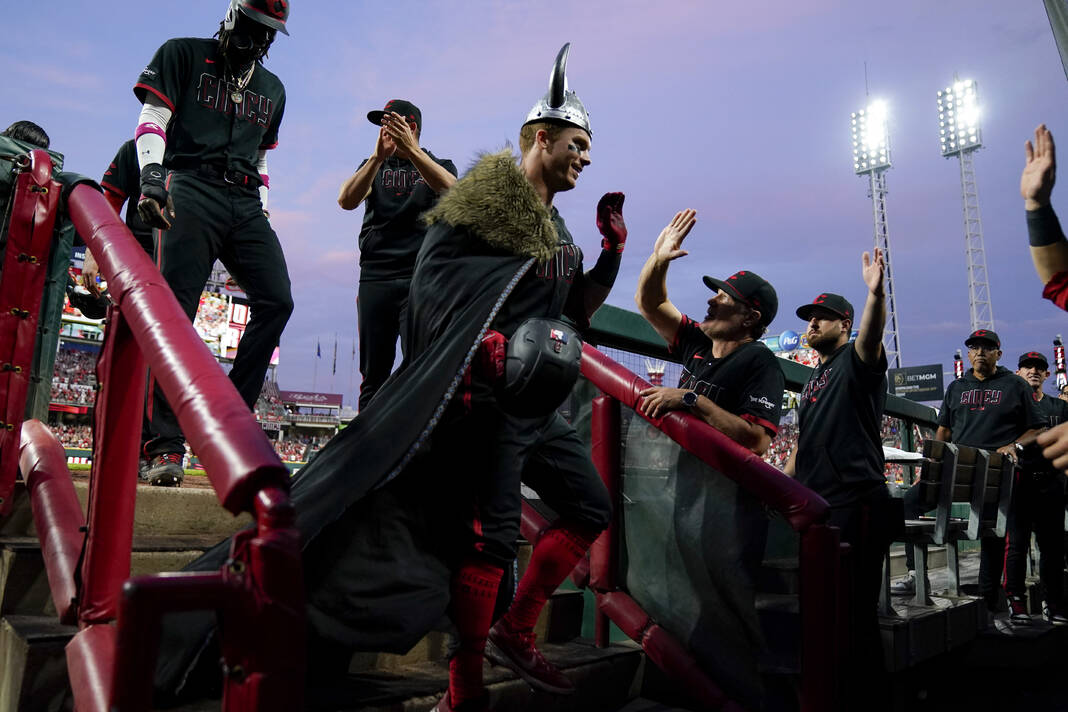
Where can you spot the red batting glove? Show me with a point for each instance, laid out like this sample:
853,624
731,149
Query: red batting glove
491,356
610,221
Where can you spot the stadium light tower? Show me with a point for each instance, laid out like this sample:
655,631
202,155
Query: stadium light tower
871,157
960,136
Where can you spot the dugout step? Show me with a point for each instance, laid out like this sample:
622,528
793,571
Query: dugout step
33,666
605,680
559,622
918,633
159,511
24,585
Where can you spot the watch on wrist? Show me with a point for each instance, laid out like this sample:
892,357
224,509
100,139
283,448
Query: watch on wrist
689,399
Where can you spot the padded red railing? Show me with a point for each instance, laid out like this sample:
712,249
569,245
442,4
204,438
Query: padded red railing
259,593
33,215
801,507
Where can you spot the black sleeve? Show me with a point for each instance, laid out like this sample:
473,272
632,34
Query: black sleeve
1043,227
866,372
762,393
944,416
270,139
689,339
449,166
166,74
123,177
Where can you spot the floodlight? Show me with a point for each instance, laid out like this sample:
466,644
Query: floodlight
871,138
958,118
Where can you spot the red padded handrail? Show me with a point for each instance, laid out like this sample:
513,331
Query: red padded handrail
56,513
799,505
215,420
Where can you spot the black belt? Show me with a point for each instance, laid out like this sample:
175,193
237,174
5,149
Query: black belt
228,175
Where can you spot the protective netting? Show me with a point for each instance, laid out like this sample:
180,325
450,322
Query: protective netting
692,545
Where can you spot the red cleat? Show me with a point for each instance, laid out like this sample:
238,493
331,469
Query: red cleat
478,704
516,652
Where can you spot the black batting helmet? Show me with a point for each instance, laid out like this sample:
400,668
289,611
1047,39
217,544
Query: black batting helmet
272,13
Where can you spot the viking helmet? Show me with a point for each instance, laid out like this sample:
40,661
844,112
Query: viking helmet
560,103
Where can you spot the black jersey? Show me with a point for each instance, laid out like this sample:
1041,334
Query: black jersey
839,446
187,74
989,413
123,179
747,382
546,290
1053,410
392,231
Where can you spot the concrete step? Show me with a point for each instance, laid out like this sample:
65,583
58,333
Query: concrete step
560,622
33,667
915,634
605,680
24,585
643,705
159,511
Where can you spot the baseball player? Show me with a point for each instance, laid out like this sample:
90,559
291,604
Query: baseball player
731,380
210,113
1038,506
839,455
397,184
441,451
122,184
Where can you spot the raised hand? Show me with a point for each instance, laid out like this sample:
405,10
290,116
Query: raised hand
1040,169
401,133
668,245
873,271
610,221
384,146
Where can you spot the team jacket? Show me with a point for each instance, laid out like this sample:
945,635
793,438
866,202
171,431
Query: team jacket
991,412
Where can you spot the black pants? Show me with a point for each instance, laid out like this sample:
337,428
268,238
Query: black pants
489,453
215,220
382,315
867,527
1039,507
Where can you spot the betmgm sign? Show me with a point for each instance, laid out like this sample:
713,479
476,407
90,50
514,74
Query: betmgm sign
917,383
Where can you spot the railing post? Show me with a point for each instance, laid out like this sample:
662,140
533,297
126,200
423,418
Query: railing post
113,483
819,563
604,554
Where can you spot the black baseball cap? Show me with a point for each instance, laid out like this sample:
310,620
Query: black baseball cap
834,303
405,108
983,335
1033,357
750,288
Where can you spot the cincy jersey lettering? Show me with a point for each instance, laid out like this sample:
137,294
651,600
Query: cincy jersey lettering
702,388
814,386
214,93
563,265
401,180
979,398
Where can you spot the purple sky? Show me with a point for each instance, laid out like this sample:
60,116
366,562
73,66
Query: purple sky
741,113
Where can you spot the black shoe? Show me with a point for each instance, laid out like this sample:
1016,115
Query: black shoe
1018,614
165,470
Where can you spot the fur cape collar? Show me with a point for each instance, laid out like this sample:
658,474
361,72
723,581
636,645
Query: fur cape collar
499,205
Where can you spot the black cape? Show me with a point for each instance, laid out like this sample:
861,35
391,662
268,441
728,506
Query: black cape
376,578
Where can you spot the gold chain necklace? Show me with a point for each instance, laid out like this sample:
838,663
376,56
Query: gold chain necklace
237,94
